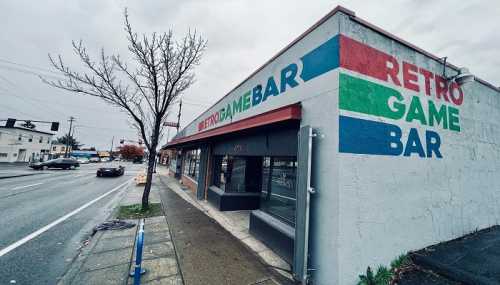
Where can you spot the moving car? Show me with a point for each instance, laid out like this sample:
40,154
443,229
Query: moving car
83,160
110,171
95,159
63,163
137,160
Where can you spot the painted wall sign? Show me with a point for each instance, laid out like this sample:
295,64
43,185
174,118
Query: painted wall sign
320,60
389,95
435,106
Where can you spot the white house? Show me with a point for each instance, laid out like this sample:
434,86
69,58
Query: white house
59,149
19,144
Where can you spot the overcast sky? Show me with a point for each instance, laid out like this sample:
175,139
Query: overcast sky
241,34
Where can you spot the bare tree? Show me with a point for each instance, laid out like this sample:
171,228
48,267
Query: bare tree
163,70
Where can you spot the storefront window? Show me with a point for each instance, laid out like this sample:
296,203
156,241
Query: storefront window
278,187
192,163
237,173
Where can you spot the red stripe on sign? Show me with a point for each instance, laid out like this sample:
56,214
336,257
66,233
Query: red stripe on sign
366,60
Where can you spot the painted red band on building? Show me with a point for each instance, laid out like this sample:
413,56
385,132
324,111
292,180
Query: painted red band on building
361,58
291,112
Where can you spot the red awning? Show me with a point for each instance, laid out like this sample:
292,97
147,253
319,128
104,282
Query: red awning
291,112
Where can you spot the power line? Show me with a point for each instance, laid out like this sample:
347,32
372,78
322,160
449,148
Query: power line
28,66
7,80
18,111
33,99
26,71
195,104
113,129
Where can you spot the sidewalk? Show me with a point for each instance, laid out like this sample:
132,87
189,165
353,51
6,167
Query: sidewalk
13,169
109,256
207,253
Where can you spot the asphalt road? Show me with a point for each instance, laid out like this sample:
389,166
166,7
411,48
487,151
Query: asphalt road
34,204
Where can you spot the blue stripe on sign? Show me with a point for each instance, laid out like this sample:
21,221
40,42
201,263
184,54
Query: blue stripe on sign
368,137
321,60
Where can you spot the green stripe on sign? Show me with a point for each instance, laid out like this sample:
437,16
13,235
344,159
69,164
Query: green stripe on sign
366,97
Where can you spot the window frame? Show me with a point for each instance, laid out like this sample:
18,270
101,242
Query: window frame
192,163
267,182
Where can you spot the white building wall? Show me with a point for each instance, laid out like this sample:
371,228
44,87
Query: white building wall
371,208
11,145
392,204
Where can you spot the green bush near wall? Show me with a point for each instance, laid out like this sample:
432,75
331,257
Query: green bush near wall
383,275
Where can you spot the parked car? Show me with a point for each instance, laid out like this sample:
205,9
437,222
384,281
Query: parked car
95,159
105,159
63,163
138,160
83,160
110,171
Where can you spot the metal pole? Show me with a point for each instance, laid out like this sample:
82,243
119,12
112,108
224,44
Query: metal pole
111,150
179,115
71,119
138,255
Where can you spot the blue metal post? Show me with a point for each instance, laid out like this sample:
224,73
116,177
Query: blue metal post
138,254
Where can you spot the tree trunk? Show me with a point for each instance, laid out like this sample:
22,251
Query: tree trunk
149,177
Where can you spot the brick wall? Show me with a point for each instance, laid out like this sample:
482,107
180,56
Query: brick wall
189,182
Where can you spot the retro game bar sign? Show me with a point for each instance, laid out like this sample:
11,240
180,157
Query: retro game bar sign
419,97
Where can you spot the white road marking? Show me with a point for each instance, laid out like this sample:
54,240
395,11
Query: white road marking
58,221
26,186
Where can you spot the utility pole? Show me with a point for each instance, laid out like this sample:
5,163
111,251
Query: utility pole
71,119
179,115
111,150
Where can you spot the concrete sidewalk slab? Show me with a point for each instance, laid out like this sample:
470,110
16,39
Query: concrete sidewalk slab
102,261
109,256
159,257
207,253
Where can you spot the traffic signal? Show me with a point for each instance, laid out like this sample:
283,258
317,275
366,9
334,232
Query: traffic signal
122,141
10,123
54,127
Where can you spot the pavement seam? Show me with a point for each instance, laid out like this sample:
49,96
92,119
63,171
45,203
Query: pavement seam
102,268
163,206
159,278
160,256
109,250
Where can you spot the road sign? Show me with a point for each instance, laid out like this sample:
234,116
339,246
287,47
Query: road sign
170,124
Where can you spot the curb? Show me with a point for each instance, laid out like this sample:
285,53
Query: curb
19,175
79,260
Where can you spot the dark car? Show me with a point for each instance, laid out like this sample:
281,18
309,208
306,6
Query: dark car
63,163
138,160
110,171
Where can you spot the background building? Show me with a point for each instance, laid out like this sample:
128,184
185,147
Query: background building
19,144
59,149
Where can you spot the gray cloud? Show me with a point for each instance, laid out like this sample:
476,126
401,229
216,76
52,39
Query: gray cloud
242,35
